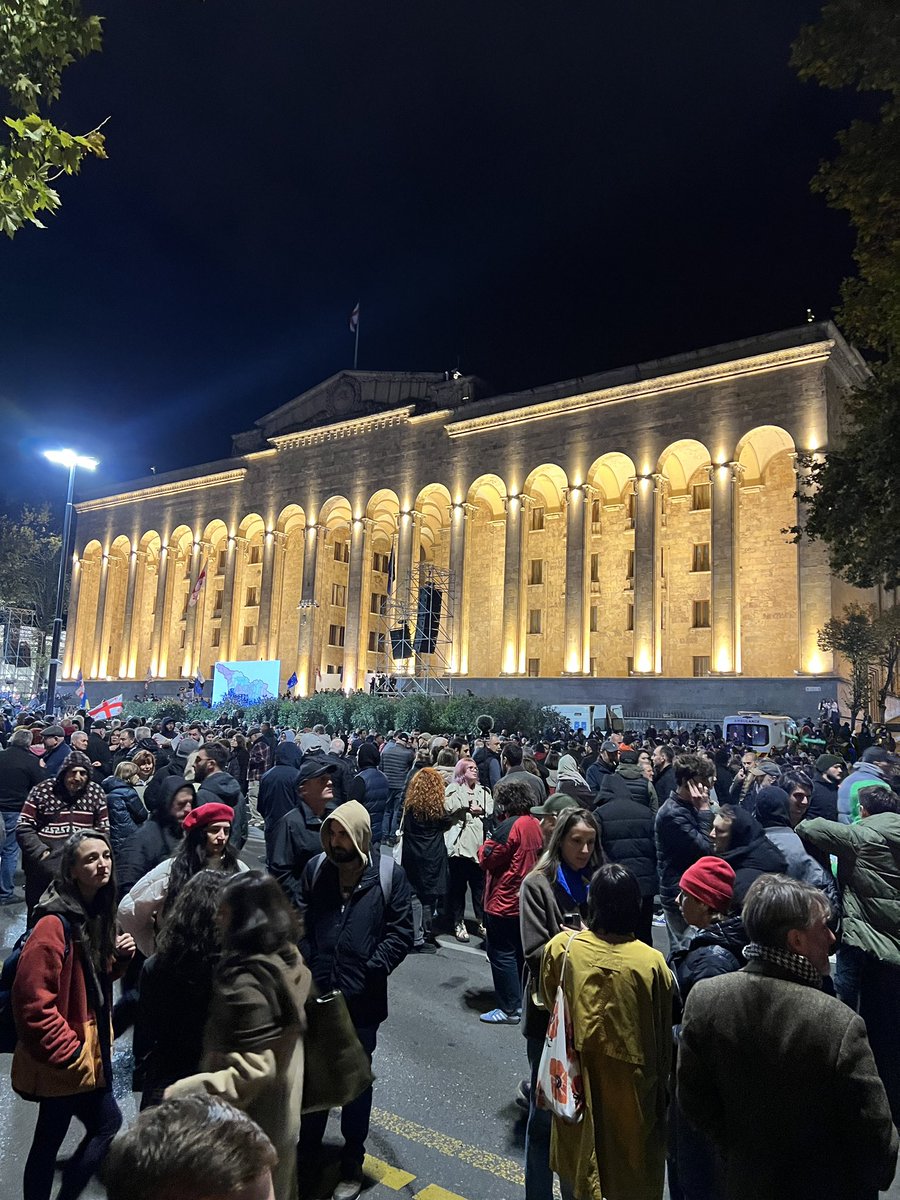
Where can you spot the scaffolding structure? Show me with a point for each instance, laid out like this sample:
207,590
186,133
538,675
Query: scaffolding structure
23,653
426,674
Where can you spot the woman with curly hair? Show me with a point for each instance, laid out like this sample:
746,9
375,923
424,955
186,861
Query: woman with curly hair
424,854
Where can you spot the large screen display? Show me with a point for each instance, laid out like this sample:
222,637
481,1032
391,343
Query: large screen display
245,682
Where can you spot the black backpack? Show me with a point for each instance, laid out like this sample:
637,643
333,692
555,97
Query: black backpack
8,1035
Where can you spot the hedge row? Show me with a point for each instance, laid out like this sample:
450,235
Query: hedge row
457,714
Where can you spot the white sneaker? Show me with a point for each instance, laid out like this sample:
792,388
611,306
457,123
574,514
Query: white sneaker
347,1189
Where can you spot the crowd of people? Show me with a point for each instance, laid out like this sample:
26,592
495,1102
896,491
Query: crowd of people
719,1065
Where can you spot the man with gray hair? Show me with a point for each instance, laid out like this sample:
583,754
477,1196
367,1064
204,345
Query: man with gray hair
20,771
779,1074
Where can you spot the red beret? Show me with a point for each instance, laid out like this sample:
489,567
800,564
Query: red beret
711,881
208,814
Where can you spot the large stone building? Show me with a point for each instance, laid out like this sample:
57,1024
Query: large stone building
626,527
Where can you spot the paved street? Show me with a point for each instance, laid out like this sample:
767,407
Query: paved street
445,1124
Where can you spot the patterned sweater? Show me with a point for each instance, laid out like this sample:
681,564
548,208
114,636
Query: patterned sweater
47,819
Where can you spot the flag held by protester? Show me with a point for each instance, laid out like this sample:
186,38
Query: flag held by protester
109,708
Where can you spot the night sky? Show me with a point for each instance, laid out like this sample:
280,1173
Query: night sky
529,190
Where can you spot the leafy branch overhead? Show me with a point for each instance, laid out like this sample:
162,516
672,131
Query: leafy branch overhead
38,40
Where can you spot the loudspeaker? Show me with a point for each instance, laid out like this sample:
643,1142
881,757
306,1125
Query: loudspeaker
428,619
401,646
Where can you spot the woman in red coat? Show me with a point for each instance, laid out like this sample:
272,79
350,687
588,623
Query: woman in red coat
61,1002
506,858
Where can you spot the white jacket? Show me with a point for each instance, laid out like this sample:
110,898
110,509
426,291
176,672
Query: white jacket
464,839
138,911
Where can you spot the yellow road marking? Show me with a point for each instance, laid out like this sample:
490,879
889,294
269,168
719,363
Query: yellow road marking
484,1160
433,1192
391,1177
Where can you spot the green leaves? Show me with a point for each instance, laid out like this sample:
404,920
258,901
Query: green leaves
29,562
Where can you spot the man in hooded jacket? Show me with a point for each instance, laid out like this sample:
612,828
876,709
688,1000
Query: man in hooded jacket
741,841
357,915
158,837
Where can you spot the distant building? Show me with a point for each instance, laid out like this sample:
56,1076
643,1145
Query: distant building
625,527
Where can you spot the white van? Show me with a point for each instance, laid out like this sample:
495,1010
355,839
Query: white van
762,732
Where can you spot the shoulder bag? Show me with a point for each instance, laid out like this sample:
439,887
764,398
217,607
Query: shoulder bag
560,1087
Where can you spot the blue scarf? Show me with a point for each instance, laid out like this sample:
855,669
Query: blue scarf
574,883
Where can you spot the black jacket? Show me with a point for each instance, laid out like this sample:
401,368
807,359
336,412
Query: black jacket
20,771
824,800
626,835
277,794
168,1034
750,854
54,759
424,855
355,946
682,836
222,788
713,951
98,751
665,783
294,839
156,840
613,786
126,812
342,779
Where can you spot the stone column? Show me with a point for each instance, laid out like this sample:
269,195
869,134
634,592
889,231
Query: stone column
511,642
266,590
459,624
813,590
190,618
156,668
306,662
725,618
128,620
279,554
647,647
72,614
576,646
353,652
193,641
226,639
100,651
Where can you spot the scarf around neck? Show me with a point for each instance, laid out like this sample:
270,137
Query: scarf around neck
797,967
574,883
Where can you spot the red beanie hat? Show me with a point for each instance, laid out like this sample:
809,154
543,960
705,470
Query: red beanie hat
208,814
711,881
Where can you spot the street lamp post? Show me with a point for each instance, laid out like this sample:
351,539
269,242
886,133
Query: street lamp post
71,460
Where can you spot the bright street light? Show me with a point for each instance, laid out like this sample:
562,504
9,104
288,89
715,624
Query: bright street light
70,459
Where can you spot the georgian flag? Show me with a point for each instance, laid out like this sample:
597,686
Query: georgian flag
109,708
354,319
195,594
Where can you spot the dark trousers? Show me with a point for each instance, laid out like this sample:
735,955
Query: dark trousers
355,1118
644,930
391,821
879,1007
466,872
504,951
100,1116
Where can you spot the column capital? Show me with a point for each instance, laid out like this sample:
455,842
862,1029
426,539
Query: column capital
463,508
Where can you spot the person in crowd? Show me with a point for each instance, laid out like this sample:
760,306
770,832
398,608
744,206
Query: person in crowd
423,824
371,789
239,761
553,897
218,787
506,857
56,750
166,1154
261,759
253,1043
570,782
127,744
297,837
618,1150
549,812
174,769
664,783
168,1034
206,844
98,748
487,756
551,763
514,772
52,812
396,759
743,778
145,761
825,784
61,999
627,829
868,855
682,830
20,771
342,779
797,786
466,798
724,774
628,780
769,1035
445,765
277,794
773,814
874,766
603,766
358,928
126,810
159,836
740,839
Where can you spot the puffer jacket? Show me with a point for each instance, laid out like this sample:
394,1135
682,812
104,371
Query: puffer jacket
868,855
153,841
712,951
626,835
506,857
222,788
639,786
126,812
682,836
750,854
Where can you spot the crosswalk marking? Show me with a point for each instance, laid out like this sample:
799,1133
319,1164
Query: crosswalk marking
433,1192
392,1177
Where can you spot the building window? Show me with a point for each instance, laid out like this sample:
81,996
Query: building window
534,668
536,571
378,604
595,618
376,642
629,566
537,517
592,666
336,635
339,595
700,560
181,642
217,637
380,562
220,562
342,552
252,600
629,665
249,635
595,568
701,614
701,665
595,516
699,497
629,509
535,616
256,554
662,563
219,600
629,617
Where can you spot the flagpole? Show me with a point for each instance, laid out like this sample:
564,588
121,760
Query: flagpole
356,344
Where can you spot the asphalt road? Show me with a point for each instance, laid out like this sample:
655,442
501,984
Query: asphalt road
445,1124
